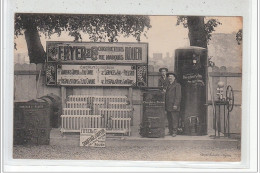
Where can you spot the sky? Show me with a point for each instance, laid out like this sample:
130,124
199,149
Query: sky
163,37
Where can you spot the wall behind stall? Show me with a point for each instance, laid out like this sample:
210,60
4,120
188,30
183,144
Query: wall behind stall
232,77
25,83
28,85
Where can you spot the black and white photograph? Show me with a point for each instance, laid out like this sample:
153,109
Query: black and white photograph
127,87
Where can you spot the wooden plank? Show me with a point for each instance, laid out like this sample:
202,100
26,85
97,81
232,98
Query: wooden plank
235,83
150,81
26,72
23,87
224,74
31,85
214,86
18,67
63,96
153,73
38,79
209,103
137,102
130,95
235,120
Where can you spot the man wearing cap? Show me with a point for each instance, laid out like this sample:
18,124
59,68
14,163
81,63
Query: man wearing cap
172,103
163,81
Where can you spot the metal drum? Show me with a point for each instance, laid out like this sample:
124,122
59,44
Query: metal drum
32,122
56,109
191,69
153,119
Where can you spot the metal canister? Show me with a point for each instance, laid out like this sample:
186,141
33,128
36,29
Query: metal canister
56,109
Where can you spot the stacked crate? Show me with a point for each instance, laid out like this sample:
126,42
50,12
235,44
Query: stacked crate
110,112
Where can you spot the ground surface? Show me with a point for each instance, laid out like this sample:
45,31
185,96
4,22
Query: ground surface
132,149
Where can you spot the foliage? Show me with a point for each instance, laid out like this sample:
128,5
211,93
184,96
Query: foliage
239,36
209,26
98,27
182,20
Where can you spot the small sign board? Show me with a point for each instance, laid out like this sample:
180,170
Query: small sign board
93,137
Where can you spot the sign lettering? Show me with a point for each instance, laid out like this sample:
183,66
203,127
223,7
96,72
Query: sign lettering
93,137
96,75
97,64
97,52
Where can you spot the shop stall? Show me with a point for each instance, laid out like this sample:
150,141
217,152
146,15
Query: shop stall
84,71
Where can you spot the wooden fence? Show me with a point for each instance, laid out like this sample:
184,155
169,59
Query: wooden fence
29,83
232,77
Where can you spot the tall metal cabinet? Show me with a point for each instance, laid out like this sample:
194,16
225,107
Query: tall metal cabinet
191,69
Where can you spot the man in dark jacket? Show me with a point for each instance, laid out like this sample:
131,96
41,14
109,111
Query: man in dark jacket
163,80
172,103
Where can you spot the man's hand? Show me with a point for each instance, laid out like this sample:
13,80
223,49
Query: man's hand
175,107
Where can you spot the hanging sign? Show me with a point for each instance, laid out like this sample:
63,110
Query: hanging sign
97,52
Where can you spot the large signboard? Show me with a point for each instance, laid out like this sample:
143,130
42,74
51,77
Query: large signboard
90,52
93,137
96,64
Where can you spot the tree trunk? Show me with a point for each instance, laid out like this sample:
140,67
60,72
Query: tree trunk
197,34
35,49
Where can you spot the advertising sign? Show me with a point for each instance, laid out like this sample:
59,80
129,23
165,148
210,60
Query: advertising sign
96,52
93,137
96,75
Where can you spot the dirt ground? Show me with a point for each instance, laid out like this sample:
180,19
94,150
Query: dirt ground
145,150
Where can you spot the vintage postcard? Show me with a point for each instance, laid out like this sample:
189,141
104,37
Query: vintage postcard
127,87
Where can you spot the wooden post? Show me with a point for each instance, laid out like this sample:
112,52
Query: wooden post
63,96
130,97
